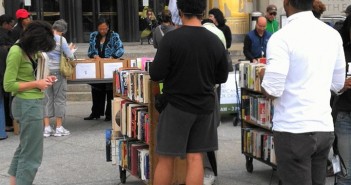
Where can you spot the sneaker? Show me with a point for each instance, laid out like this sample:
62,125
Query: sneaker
209,179
48,131
61,132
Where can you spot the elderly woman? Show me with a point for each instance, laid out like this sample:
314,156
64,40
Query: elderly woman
27,106
55,96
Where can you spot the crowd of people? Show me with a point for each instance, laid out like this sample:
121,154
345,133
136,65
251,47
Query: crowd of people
300,65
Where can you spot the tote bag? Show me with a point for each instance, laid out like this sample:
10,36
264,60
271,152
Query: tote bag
66,68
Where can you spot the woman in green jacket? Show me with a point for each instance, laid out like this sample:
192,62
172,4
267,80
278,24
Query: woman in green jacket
27,106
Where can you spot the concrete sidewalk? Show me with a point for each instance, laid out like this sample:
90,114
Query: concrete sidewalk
79,159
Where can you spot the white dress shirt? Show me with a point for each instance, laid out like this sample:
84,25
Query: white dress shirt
305,60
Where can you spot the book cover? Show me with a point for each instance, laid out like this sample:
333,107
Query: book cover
117,82
129,118
129,151
144,60
146,88
141,127
146,129
124,105
147,166
134,120
116,113
134,156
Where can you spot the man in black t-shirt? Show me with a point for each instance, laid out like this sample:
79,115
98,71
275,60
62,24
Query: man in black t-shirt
190,61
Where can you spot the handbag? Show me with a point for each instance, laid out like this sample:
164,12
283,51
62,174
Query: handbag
66,67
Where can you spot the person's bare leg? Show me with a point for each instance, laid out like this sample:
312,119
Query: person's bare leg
46,122
164,170
58,122
195,169
12,180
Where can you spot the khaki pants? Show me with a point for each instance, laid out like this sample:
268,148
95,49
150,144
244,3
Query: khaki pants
29,153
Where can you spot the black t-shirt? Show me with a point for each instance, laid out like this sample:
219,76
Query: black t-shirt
5,38
190,60
344,100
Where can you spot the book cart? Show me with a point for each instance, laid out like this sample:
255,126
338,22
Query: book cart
257,113
133,137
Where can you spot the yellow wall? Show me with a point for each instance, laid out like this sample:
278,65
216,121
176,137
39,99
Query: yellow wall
233,10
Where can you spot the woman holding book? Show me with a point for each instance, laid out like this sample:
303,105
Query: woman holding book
27,106
103,43
55,96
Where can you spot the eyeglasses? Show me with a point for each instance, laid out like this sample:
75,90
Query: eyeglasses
273,13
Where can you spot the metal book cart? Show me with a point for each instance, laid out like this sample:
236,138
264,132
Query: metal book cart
179,170
256,115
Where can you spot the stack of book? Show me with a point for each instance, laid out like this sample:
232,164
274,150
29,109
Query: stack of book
259,144
257,109
133,83
249,76
133,155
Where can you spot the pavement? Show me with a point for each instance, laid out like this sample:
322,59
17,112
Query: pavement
79,159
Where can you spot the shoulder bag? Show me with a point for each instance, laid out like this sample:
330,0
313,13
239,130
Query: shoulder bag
66,68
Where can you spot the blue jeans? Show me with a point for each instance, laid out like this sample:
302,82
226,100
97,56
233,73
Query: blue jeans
343,133
2,118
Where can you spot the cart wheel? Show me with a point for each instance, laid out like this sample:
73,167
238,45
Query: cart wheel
236,121
122,175
249,165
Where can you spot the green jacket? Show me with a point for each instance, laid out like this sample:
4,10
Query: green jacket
272,26
19,69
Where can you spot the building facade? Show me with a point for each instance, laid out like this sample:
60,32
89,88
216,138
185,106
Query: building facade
82,15
124,15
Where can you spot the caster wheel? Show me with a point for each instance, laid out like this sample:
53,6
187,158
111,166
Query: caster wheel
280,182
249,165
236,121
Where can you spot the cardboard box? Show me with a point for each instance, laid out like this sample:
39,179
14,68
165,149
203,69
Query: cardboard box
86,69
108,66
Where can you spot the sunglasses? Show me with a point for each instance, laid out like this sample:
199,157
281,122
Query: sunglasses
273,13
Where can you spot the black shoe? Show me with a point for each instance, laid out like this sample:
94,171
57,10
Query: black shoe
107,119
91,117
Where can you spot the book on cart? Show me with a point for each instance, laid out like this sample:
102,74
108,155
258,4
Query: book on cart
136,120
256,116
134,156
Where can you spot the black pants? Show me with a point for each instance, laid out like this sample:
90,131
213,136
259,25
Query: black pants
7,105
302,158
101,93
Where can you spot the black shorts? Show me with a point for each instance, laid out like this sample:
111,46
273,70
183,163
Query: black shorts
180,132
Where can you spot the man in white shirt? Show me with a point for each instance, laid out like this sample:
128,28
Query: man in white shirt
305,60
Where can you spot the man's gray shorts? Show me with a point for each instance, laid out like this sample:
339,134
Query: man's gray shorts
180,132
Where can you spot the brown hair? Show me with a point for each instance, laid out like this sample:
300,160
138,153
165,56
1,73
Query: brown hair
318,8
